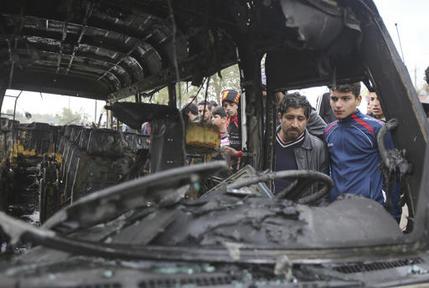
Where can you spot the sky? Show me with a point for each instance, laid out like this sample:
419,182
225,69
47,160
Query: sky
413,26
410,16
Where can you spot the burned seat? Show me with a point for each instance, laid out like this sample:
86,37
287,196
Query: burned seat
7,139
100,162
167,145
36,139
6,136
71,154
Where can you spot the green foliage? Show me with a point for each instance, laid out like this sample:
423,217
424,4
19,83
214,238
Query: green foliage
69,117
229,78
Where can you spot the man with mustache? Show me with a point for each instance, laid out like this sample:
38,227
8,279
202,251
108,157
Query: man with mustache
295,147
352,144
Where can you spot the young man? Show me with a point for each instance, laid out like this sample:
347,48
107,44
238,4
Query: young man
295,147
206,114
375,107
352,144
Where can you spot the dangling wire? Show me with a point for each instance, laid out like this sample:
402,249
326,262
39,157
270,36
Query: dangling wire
196,95
205,98
176,66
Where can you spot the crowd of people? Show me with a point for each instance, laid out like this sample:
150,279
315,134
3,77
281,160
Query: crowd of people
347,150
337,140
225,118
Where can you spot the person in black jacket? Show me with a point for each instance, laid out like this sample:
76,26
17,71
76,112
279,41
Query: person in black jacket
230,102
324,108
295,147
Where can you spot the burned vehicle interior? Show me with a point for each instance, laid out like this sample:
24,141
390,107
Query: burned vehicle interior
106,216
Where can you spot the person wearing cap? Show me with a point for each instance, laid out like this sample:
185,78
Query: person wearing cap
230,102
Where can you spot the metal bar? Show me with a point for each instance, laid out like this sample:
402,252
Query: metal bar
12,63
157,81
118,62
176,65
172,95
400,43
89,9
14,107
95,111
64,36
2,94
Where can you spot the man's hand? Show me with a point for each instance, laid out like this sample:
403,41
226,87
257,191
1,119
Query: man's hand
232,152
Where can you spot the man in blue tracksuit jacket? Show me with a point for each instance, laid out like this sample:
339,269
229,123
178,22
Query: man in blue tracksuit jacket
352,143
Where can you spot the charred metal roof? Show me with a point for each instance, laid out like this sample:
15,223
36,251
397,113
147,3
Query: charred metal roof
112,49
99,49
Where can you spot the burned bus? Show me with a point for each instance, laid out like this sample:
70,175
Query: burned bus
144,231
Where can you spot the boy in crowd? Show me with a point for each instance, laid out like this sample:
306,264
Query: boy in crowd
230,102
219,119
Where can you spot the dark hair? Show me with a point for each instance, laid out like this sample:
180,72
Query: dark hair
191,107
219,111
295,100
214,103
345,88
207,103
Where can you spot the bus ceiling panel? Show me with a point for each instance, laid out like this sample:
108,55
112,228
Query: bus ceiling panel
128,63
32,45
83,71
139,26
124,15
153,30
110,40
79,62
40,80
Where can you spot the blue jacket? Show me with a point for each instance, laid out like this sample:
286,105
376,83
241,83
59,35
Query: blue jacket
355,160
